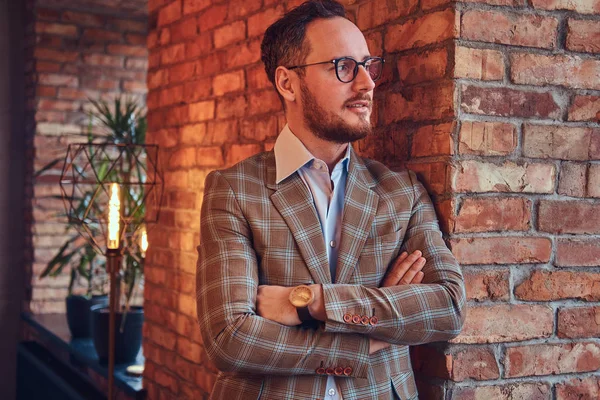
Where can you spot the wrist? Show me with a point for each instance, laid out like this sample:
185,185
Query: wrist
317,307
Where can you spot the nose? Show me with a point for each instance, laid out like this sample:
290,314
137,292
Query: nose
363,82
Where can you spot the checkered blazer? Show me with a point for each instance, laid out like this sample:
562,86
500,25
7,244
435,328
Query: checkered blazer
255,232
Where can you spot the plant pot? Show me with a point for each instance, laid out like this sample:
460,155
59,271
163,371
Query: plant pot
79,315
127,343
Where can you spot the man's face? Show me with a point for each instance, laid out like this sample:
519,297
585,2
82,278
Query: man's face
333,110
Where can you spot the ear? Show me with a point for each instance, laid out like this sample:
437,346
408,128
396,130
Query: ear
283,82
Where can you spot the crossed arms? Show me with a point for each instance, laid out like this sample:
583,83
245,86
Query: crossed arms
241,338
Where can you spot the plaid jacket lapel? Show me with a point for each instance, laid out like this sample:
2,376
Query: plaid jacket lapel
294,202
360,206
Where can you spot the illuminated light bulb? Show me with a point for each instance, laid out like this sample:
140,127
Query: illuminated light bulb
144,242
114,215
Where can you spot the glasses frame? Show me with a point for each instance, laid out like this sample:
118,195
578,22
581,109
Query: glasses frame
336,61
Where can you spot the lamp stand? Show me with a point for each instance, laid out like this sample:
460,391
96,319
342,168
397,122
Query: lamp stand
113,258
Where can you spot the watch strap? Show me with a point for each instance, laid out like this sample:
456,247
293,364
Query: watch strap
304,314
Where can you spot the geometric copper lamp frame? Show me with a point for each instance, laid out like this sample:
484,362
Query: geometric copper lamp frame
87,174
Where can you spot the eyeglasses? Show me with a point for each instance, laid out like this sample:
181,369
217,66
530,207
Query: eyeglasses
346,68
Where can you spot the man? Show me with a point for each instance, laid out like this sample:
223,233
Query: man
318,268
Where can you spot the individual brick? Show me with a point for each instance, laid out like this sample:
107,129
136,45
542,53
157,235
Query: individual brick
506,323
579,388
194,6
484,285
578,322
475,363
551,359
508,102
433,140
482,64
585,108
228,82
524,390
510,28
493,214
258,23
376,13
487,138
212,17
239,152
583,36
428,29
419,103
202,111
505,250
229,34
478,176
559,285
428,66
583,7
578,253
558,141
572,179
563,70
557,216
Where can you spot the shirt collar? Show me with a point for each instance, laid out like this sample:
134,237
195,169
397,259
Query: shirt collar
291,154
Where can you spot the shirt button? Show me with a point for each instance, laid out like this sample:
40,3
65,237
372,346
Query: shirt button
332,243
331,392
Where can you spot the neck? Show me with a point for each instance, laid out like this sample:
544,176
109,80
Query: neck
330,152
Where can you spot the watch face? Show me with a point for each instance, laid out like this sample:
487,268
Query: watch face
301,296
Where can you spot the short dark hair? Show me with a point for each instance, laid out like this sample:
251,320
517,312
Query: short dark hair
284,44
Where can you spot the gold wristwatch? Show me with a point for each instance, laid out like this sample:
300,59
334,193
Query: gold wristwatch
301,297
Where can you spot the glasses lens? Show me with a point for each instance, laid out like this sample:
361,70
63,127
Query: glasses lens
374,66
345,69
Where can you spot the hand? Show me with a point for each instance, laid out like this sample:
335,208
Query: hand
272,302
406,270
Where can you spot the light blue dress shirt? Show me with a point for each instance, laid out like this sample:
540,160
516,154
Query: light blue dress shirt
327,194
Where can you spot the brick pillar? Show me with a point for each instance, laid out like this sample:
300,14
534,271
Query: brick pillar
525,194
74,52
494,103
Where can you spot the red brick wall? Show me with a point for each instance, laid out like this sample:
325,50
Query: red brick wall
211,106
525,189
505,140
94,49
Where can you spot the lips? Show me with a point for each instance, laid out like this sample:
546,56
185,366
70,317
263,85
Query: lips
359,104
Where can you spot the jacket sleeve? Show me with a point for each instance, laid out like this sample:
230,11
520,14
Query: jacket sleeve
407,314
235,337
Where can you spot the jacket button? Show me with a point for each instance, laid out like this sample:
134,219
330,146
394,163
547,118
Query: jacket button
364,320
373,320
338,371
347,318
329,371
320,370
348,371
356,319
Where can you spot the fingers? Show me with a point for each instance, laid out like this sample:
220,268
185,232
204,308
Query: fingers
410,274
418,277
405,269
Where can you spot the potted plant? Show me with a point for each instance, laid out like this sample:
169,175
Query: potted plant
87,266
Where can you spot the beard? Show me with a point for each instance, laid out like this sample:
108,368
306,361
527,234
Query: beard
329,126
